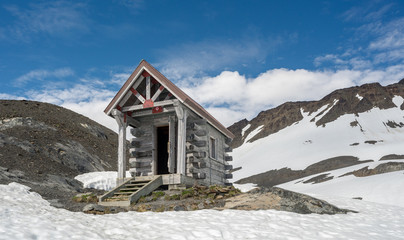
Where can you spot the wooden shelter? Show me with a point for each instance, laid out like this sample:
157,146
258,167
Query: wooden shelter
174,137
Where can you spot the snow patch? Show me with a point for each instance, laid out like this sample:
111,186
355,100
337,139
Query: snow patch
245,129
99,180
253,133
398,100
358,96
245,187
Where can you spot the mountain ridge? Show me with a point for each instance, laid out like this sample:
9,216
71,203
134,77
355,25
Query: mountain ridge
351,135
354,100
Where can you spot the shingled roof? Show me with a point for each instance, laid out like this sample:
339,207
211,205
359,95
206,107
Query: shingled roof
177,92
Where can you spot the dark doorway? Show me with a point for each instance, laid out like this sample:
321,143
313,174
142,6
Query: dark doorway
162,150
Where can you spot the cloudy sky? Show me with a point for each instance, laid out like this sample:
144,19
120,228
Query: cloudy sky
235,58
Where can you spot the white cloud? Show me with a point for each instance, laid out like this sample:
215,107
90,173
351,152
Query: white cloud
54,18
119,78
391,36
41,74
87,99
231,96
196,59
10,96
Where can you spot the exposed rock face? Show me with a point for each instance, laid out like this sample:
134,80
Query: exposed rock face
382,168
45,146
283,200
352,100
278,176
236,129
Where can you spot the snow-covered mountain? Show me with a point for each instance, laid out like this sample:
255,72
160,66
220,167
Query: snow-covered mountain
327,146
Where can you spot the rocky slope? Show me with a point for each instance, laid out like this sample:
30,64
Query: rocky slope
352,100
360,126
45,146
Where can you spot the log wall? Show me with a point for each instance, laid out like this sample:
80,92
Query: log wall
200,164
143,145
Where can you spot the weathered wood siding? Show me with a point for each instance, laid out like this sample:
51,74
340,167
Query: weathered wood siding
200,165
143,146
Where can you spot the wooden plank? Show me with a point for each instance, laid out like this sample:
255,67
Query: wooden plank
193,137
198,165
200,143
148,87
138,95
133,122
142,159
125,99
136,132
197,154
200,133
141,170
228,158
140,164
138,82
196,127
228,167
193,148
171,154
136,154
157,94
139,107
144,148
199,175
181,138
121,145
228,176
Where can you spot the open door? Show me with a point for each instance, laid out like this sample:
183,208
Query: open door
162,150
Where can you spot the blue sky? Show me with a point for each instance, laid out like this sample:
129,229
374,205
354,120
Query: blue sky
234,57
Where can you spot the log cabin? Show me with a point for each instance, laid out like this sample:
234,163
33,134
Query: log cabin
173,137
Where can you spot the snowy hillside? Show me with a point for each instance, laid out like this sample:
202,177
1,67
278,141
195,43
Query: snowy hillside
305,143
363,145
25,215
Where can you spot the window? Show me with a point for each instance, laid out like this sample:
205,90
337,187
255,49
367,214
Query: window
212,146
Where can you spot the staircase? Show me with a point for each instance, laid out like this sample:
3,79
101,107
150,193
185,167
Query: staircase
130,191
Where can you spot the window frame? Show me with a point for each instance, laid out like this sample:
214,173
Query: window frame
212,147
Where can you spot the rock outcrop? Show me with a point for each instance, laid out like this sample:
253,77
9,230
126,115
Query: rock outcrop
45,146
282,200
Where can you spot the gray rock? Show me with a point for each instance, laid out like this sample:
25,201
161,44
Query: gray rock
93,207
283,200
201,206
179,208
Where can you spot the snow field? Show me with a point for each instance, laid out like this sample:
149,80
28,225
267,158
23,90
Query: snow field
304,143
383,188
25,215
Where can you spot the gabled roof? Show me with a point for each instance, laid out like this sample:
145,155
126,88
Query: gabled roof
171,87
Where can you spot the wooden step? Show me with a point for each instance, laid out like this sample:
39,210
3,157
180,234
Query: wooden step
125,198
135,185
123,193
139,181
116,199
130,189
